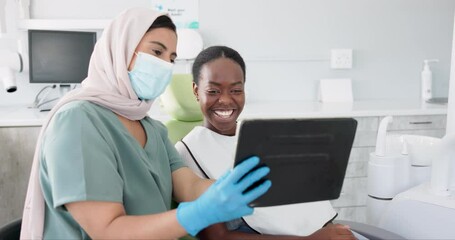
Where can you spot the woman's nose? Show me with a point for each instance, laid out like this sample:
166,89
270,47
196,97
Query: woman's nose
225,98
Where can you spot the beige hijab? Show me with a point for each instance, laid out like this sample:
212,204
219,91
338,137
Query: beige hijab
108,85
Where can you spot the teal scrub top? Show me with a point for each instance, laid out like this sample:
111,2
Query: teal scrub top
88,155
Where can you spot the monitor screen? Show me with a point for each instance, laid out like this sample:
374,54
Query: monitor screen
59,57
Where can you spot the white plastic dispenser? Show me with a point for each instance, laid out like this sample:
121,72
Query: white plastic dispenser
388,172
421,151
427,80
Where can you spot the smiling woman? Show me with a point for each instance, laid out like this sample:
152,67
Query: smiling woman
219,78
218,84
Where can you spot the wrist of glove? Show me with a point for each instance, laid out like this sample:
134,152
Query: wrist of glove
226,199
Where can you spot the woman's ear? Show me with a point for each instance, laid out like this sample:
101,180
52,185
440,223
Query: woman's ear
195,89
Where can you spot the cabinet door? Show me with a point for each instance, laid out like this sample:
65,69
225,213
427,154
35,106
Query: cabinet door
425,125
367,128
417,122
17,147
358,162
352,201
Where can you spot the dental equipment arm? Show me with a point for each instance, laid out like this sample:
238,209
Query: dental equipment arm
2,16
382,134
10,62
24,6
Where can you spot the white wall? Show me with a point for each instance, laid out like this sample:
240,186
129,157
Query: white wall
451,105
390,39
286,44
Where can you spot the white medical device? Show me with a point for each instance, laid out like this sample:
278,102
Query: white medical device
409,190
10,60
10,63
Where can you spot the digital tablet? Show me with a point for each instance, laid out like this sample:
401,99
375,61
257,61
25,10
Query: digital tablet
307,157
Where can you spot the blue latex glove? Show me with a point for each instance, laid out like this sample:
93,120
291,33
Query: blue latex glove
224,200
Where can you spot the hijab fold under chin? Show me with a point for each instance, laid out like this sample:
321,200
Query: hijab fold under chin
108,85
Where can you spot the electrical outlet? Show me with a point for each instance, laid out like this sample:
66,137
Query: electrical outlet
341,58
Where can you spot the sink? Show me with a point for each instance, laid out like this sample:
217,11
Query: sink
421,149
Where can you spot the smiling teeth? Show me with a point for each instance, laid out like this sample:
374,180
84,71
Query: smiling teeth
224,114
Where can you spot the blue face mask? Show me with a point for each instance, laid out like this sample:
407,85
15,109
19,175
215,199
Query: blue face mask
150,76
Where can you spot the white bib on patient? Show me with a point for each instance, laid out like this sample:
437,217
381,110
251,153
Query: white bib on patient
215,154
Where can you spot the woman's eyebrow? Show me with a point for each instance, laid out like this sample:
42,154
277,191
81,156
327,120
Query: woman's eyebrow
160,44
219,84
237,83
214,83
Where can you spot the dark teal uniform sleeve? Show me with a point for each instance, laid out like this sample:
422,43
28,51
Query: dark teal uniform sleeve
80,165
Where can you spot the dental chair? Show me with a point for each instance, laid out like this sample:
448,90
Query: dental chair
11,231
180,103
369,231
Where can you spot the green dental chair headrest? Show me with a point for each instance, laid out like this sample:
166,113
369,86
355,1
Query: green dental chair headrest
180,103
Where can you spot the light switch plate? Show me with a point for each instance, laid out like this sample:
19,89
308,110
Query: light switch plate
341,58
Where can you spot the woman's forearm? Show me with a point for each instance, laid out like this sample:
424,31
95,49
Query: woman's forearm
155,226
187,186
108,220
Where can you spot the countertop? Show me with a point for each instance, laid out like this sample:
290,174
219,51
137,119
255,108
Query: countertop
22,116
355,109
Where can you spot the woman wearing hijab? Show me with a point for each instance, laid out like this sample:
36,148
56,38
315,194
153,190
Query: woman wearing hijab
104,169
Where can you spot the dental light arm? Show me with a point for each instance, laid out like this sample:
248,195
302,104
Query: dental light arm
10,63
2,16
10,60
24,11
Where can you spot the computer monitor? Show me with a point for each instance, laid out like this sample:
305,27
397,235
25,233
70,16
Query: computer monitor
59,57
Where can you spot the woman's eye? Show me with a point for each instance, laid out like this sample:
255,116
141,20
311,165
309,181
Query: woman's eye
157,52
237,91
212,92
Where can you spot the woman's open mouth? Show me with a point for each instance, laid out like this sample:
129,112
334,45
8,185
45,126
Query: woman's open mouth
224,114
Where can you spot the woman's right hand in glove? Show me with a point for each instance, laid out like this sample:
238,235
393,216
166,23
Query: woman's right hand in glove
225,199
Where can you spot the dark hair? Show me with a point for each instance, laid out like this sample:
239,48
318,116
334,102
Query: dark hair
163,21
213,53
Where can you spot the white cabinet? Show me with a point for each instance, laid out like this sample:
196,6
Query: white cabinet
17,147
352,202
427,125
